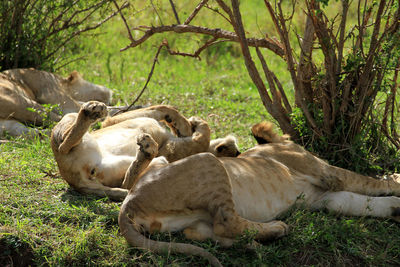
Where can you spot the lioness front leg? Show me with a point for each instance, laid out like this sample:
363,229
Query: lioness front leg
148,149
89,113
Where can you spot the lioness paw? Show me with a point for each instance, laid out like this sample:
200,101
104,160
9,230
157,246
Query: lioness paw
147,145
94,110
278,229
195,122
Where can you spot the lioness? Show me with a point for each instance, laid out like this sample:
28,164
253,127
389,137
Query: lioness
97,162
219,198
24,91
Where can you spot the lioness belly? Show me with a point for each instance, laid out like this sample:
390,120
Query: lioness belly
264,188
119,142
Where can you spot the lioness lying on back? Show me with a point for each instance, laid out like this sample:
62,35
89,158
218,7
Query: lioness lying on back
220,198
97,162
24,91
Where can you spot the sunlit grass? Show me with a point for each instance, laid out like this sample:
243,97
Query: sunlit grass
59,227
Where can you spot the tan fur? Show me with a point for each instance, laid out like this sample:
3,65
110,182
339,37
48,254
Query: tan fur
264,133
21,89
220,198
224,147
97,162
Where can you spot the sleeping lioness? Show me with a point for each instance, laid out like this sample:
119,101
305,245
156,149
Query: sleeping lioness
97,162
220,198
24,91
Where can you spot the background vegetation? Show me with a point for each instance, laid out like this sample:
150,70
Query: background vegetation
43,222
37,33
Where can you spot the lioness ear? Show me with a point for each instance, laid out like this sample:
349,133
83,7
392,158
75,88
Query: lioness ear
73,77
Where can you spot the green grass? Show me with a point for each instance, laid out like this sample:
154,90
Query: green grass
44,222
50,224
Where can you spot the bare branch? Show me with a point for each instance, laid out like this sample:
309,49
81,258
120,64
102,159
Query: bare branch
67,23
124,20
197,53
226,8
155,60
304,91
155,10
363,84
219,13
273,82
362,26
195,11
216,33
280,26
174,10
391,134
282,118
89,28
329,91
342,30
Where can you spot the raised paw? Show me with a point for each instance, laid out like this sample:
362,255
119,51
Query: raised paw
196,122
147,145
94,110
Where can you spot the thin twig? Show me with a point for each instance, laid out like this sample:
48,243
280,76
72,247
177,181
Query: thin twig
197,53
155,10
84,30
69,62
124,20
282,118
219,13
174,10
195,11
218,33
155,60
342,29
67,22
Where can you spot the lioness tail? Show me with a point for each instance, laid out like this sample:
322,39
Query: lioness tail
264,133
138,240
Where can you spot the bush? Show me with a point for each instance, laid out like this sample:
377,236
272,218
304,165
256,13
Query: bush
36,33
344,68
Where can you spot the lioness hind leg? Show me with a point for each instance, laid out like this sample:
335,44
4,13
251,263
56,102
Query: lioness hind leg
213,193
338,179
202,231
353,204
230,224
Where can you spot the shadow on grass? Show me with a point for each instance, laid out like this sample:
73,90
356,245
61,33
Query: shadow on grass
15,252
91,205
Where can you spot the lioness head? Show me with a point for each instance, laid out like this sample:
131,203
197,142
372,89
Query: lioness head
84,91
79,158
